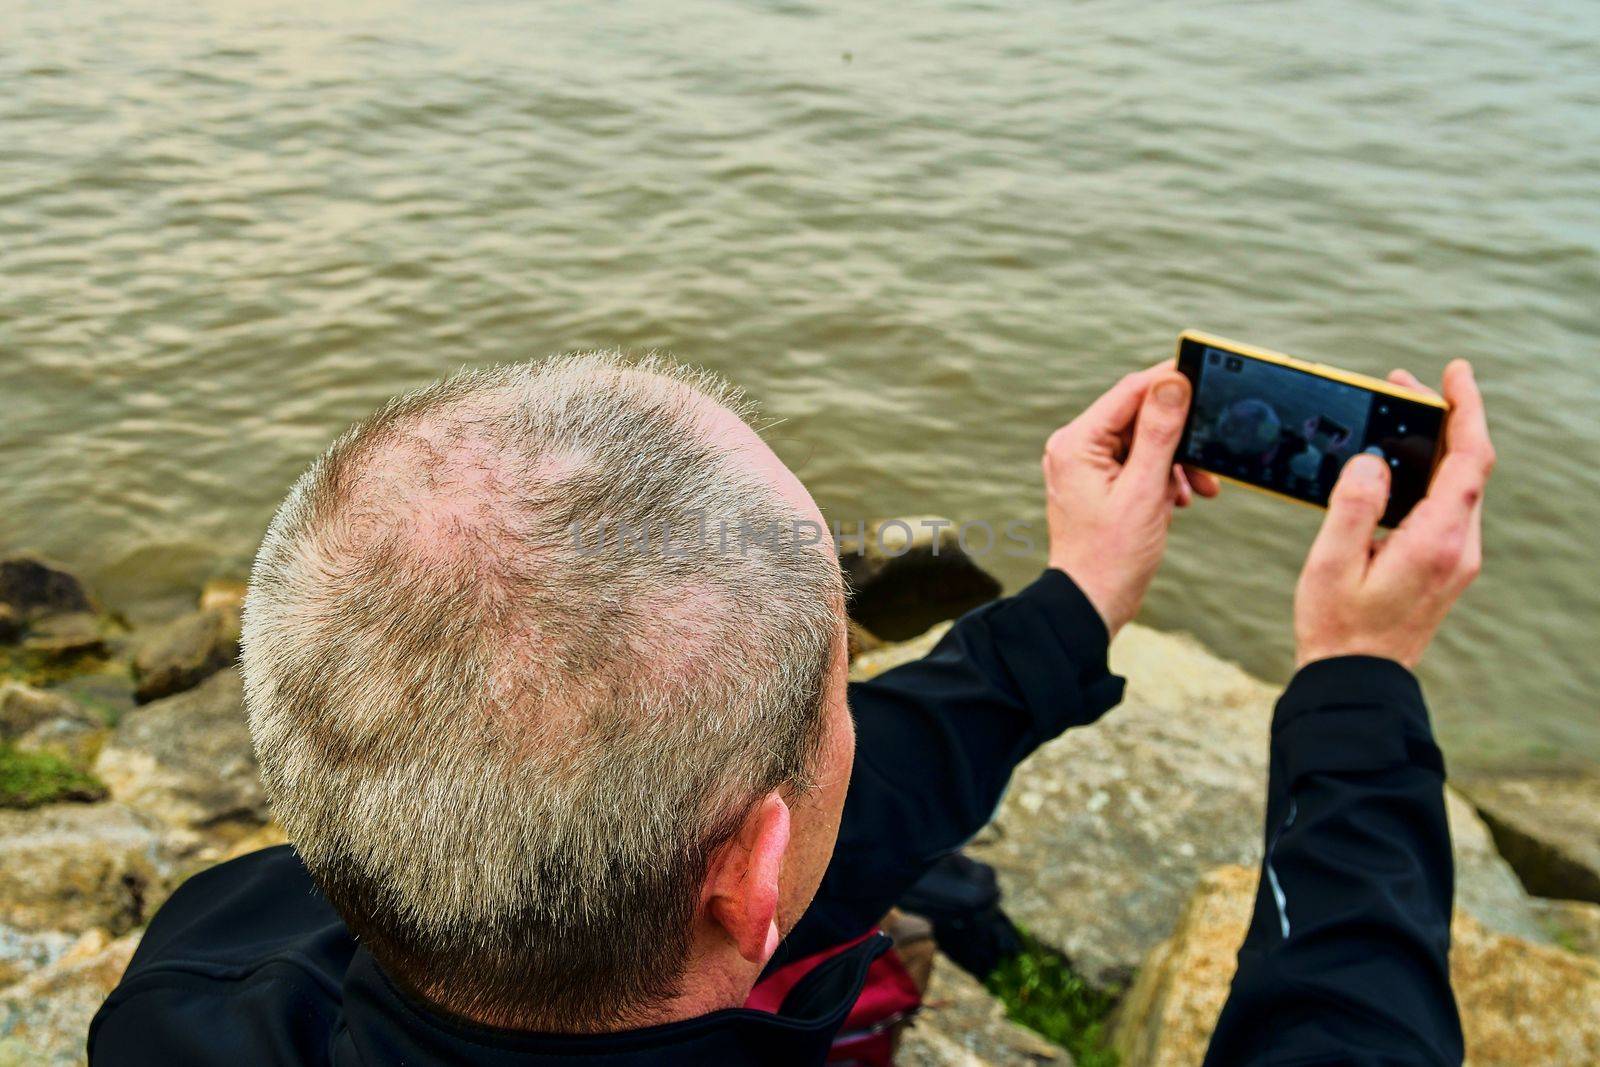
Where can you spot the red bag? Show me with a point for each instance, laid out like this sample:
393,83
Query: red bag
867,1038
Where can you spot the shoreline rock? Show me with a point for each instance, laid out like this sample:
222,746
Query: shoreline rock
187,759
1521,1003
77,866
1106,831
1547,827
907,573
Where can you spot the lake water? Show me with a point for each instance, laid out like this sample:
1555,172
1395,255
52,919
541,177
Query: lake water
922,234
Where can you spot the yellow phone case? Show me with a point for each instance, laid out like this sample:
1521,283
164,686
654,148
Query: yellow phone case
1363,381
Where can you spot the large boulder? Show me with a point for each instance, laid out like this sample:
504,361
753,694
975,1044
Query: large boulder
906,574
70,866
187,759
1105,831
31,588
1521,1003
1548,829
44,1019
961,1025
177,656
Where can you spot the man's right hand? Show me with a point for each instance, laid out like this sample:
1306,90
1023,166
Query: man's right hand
1362,596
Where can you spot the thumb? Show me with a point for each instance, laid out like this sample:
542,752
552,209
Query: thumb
1358,501
1156,433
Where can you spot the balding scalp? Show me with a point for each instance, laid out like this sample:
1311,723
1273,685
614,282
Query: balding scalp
504,755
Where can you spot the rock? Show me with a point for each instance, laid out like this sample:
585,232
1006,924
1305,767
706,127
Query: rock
875,661
185,651
187,759
32,588
44,1019
267,836
1106,830
34,779
961,1025
1167,1017
71,866
224,594
23,708
906,574
1521,1003
1548,829
861,639
74,634
10,624
73,741
1573,924
22,952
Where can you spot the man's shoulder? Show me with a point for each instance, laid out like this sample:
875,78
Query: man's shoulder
246,954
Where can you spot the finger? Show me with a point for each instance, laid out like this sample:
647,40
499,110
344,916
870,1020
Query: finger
1445,528
1360,497
1411,381
1183,492
1156,432
1204,483
1114,411
1458,484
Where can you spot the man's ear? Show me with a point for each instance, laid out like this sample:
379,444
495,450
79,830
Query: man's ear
741,889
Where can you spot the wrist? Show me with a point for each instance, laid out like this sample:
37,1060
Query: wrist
1309,652
1102,599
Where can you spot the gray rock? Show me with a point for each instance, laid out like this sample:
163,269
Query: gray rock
187,759
1106,831
1573,924
22,952
73,866
1548,829
73,634
185,651
23,708
961,1025
31,587
44,1018
73,740
908,573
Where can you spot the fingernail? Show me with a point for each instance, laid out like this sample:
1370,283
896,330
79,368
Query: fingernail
1172,393
1365,467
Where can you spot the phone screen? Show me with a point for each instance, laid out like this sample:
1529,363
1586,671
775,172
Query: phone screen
1291,430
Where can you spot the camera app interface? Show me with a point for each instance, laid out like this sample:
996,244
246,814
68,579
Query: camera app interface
1275,426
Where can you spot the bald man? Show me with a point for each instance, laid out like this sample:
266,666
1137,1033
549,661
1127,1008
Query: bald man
572,775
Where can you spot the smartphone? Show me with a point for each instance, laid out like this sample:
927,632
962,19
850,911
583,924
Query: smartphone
1287,426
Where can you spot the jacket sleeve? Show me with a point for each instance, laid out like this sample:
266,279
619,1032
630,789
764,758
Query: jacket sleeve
937,740
1346,959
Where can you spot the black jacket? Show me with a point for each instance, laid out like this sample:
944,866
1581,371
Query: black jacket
247,964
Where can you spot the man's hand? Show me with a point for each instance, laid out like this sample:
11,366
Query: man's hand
1361,596
1110,487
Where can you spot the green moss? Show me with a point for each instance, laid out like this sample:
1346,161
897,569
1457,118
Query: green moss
29,779
1041,991
42,669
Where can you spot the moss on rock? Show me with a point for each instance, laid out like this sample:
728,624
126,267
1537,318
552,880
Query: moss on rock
1042,992
29,779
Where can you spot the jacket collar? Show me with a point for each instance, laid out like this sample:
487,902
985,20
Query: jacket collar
383,1024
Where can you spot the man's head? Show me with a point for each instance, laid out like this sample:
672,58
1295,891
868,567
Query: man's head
548,693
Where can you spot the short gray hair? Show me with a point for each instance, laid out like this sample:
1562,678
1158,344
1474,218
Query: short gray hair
507,759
